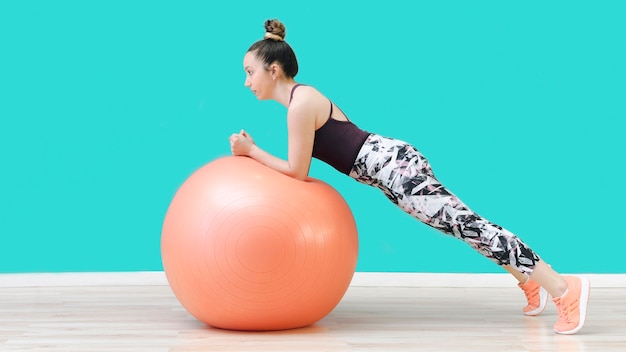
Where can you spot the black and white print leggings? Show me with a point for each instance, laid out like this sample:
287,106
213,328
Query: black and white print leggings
406,178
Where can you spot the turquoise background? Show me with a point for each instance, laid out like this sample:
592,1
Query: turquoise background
106,107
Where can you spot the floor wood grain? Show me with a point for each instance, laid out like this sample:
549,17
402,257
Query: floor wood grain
149,318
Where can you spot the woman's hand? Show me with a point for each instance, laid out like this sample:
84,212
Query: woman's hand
241,143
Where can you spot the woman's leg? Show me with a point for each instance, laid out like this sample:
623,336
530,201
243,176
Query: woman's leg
549,279
406,178
544,275
521,277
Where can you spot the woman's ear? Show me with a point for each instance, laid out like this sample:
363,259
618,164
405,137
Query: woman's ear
275,71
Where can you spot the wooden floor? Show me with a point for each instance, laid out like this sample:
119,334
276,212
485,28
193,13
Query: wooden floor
149,318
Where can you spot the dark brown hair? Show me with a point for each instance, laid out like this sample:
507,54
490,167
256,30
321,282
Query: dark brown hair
274,49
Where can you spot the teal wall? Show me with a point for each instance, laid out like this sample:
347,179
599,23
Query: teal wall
106,107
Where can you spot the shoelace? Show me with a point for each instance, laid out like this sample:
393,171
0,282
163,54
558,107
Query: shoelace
530,294
564,311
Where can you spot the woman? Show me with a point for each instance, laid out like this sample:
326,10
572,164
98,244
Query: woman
318,128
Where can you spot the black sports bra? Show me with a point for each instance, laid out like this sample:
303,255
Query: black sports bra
337,143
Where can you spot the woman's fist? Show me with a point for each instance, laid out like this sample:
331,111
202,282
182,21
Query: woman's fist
241,143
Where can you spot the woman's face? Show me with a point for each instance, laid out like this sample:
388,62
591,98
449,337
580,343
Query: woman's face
258,79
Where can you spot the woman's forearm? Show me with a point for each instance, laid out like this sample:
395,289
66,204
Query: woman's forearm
273,162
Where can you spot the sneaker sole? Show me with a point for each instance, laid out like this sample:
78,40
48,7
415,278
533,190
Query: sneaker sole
584,299
543,301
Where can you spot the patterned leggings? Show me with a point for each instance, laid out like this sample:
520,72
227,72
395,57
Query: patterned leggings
407,179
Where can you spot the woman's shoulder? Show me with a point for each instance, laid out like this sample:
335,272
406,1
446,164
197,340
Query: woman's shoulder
307,94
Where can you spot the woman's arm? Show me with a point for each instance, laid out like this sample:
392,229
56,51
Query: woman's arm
301,133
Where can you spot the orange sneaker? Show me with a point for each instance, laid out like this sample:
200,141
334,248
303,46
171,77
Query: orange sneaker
536,296
572,306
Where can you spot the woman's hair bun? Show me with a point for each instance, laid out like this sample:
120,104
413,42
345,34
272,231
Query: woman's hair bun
275,30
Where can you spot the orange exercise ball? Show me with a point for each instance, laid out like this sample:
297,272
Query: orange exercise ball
245,247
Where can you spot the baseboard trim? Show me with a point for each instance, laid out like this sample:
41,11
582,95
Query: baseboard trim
360,279
135,278
371,279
